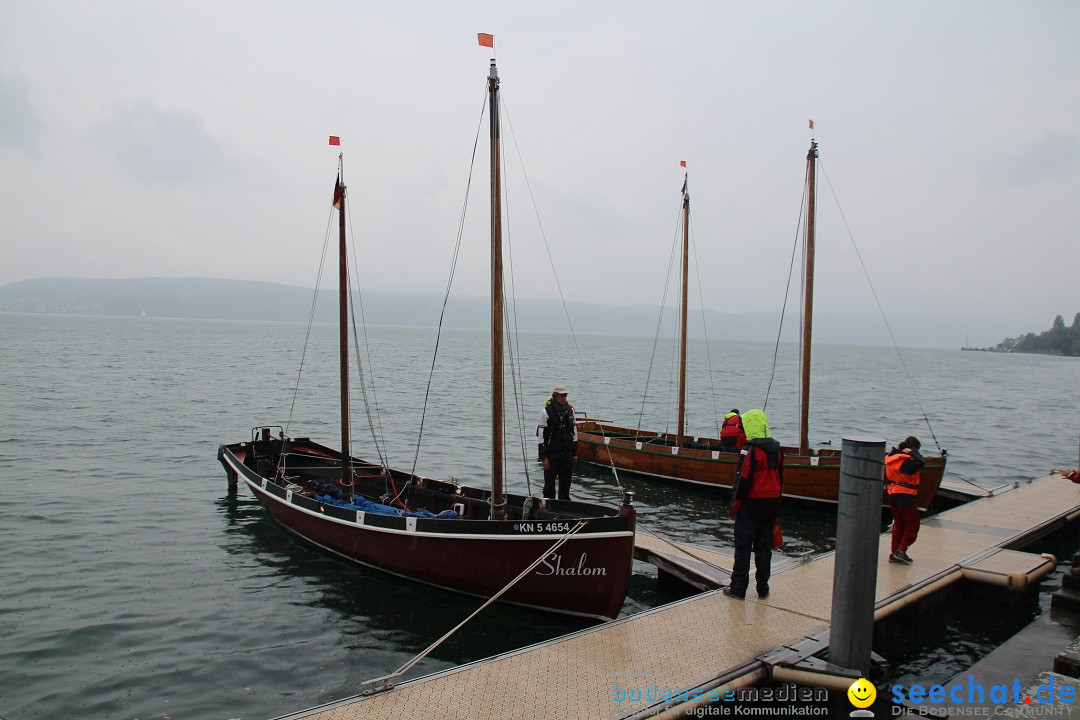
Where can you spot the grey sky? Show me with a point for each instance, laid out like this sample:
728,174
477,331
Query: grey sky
190,139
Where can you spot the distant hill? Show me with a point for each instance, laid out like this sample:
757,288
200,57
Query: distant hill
212,299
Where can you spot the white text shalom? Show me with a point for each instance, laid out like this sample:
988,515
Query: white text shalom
552,565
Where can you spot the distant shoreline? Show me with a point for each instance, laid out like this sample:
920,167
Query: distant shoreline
254,301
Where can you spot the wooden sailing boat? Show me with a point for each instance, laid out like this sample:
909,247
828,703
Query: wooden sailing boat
574,558
809,473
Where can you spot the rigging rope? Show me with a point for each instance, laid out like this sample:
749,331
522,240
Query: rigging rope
673,365
969,482
377,686
555,274
660,319
379,449
446,296
705,329
512,332
311,320
787,286
892,337
681,548
307,334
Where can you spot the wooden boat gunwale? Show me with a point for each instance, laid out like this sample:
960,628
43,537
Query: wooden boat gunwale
716,468
435,526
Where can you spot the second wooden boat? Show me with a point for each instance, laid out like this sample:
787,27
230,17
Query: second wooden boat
809,473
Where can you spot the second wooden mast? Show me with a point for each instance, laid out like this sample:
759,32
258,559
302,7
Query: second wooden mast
681,426
808,298
343,332
498,492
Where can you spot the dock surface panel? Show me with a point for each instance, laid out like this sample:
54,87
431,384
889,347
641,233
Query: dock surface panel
686,643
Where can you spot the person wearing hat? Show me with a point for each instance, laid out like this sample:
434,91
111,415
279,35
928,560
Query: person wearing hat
902,466
557,432
759,481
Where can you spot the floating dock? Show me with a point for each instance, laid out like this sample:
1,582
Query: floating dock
711,641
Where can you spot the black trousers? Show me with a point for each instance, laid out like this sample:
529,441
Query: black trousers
558,468
752,535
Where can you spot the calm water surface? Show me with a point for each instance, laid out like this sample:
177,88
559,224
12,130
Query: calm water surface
135,586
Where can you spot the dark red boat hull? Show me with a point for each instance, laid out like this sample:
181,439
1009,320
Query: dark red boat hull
586,577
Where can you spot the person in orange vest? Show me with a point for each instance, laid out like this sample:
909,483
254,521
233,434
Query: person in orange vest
732,435
902,466
759,479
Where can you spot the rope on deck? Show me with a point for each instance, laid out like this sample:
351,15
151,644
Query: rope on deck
386,682
682,549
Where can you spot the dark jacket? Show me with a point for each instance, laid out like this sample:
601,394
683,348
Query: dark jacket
559,439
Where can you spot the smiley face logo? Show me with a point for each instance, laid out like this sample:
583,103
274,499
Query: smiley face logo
861,693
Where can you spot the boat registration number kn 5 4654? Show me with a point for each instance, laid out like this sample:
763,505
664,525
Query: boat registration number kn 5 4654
553,565
538,527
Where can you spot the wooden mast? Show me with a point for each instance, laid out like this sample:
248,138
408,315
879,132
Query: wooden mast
681,426
343,332
498,495
808,299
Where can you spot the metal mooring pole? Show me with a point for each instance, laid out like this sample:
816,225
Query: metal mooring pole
858,527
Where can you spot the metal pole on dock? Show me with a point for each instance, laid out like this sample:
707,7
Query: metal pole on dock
858,527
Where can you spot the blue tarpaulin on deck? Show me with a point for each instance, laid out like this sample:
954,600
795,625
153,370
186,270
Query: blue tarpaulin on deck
365,505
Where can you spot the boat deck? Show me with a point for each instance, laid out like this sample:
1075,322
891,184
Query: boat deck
689,643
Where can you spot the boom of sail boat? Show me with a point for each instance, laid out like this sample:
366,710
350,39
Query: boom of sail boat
567,557
809,473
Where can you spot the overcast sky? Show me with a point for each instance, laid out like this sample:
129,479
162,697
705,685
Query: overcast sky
190,139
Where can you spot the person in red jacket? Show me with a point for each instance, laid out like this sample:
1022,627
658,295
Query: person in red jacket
902,466
732,436
759,479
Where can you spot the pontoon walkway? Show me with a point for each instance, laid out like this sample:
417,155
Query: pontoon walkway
710,639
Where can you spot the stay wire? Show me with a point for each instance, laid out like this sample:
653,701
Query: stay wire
881,310
673,364
705,329
377,419
787,285
516,378
547,553
449,283
311,321
555,274
659,320
543,235
681,548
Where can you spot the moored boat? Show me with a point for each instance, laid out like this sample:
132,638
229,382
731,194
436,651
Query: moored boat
810,474
814,477
566,557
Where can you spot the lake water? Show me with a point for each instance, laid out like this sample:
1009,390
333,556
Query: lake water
135,586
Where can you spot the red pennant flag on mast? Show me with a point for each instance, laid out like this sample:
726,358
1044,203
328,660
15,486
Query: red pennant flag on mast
486,40
335,140
811,124
682,163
